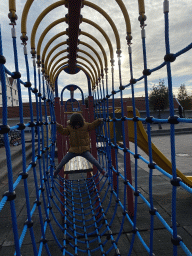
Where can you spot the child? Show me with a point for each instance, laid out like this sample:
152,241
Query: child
78,132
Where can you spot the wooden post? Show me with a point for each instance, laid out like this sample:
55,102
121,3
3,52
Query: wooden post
130,202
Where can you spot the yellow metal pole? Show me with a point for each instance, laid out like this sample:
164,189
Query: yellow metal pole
52,75
49,69
96,53
95,78
141,7
93,59
52,25
54,68
81,57
51,51
98,43
125,14
108,18
40,18
12,7
103,33
24,17
126,17
59,71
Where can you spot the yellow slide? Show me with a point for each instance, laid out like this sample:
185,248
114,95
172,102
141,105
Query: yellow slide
142,141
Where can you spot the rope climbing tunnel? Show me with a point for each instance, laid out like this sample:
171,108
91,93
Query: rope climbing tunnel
83,211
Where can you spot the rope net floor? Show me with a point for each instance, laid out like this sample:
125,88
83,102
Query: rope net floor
94,214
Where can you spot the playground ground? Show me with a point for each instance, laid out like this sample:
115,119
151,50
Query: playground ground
162,193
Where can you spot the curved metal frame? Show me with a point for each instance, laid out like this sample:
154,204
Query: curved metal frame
79,67
47,68
71,100
76,87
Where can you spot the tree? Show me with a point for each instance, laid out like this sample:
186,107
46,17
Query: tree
184,98
159,98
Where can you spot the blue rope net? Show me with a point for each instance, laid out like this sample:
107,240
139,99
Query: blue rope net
75,216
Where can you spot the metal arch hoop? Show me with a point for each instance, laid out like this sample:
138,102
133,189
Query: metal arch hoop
76,87
53,24
80,68
71,100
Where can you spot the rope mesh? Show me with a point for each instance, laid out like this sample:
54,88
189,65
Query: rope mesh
84,215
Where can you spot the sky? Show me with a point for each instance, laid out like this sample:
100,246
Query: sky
180,20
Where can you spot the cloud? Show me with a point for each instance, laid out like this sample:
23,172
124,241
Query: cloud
180,37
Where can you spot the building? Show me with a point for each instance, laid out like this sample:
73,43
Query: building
139,104
12,92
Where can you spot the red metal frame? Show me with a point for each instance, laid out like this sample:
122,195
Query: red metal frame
94,149
73,32
130,202
59,146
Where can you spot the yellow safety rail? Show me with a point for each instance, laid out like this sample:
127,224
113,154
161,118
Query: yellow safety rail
52,70
141,7
96,53
103,33
51,51
24,17
52,25
84,70
108,18
93,76
40,18
96,75
93,59
126,17
98,43
12,7
52,75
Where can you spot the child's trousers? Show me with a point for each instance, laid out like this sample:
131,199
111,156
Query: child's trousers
87,155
